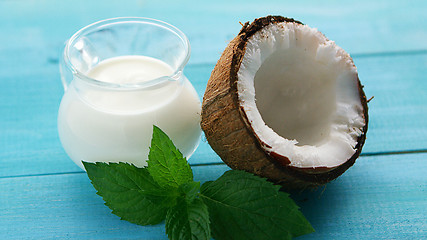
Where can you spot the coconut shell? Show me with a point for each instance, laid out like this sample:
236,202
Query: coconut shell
230,135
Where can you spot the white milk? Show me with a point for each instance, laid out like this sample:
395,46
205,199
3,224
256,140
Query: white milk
101,124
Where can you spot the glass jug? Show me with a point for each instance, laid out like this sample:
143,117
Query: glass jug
112,121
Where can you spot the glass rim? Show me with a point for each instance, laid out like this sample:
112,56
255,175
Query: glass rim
175,76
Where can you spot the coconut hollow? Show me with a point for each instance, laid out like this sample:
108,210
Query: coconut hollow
285,103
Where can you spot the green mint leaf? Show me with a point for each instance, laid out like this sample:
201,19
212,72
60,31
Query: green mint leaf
130,192
166,164
244,206
188,220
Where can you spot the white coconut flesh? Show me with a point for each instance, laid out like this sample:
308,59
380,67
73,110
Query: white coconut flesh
300,94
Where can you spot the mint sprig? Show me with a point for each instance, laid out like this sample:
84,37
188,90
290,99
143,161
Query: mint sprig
238,205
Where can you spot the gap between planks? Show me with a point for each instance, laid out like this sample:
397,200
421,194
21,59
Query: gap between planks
55,61
221,163
354,55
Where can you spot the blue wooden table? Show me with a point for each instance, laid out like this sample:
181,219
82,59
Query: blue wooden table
44,195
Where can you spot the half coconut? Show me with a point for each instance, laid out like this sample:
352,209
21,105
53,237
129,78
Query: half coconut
285,103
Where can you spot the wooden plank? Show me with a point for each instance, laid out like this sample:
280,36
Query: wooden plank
380,197
28,107
398,112
359,27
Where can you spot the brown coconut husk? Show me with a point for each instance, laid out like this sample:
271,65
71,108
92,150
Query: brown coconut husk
230,135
